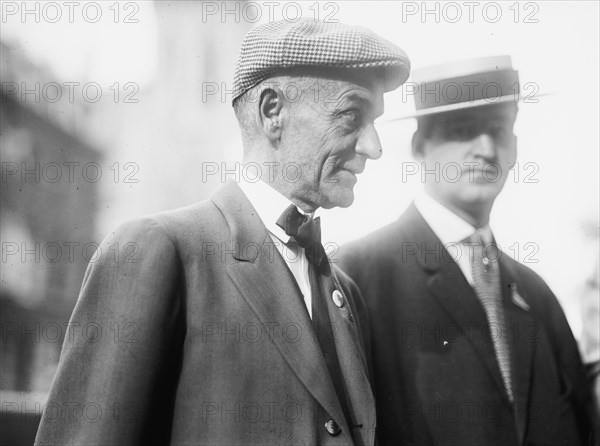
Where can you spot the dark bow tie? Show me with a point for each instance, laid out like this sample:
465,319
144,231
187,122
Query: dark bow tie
306,232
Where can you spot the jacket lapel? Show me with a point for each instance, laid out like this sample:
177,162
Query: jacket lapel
522,340
454,294
352,363
268,286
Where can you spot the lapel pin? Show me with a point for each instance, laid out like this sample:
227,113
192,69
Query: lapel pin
517,299
338,299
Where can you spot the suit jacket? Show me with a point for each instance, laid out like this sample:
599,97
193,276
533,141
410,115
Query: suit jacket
436,377
197,334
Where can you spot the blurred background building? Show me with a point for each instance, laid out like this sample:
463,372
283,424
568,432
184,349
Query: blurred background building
41,214
107,117
77,152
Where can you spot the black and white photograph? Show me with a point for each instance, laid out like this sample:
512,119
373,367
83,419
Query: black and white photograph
317,223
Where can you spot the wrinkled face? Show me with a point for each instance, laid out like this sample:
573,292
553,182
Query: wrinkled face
328,137
472,152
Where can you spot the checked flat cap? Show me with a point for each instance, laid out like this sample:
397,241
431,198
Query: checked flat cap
276,46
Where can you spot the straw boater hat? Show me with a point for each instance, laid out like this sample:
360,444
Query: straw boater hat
462,85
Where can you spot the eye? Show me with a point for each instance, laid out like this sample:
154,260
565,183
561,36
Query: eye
499,132
351,118
461,132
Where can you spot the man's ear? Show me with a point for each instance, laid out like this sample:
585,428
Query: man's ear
418,143
270,106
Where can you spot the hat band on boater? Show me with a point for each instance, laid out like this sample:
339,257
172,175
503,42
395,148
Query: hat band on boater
473,87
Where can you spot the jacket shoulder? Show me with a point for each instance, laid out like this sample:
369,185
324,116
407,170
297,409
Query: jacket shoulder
371,246
382,246
196,221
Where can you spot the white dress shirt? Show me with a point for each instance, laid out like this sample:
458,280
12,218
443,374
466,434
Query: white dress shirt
269,205
452,231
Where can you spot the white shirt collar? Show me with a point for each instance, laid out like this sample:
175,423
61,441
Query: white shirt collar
446,225
270,204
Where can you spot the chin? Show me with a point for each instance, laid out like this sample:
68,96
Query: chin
343,199
480,196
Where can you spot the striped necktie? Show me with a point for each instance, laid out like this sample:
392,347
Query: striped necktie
486,279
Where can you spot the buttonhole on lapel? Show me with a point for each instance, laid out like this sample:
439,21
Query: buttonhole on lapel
357,426
429,267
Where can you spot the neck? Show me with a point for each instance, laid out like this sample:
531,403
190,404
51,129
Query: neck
270,173
477,218
285,188
295,196
477,215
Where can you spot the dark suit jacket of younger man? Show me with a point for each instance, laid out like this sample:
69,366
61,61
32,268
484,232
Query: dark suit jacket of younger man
436,377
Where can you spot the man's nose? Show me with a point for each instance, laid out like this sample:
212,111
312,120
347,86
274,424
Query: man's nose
369,144
484,146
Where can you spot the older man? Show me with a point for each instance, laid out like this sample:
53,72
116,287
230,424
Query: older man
469,346
239,329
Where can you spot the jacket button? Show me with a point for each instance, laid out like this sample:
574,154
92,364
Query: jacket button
332,428
338,299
